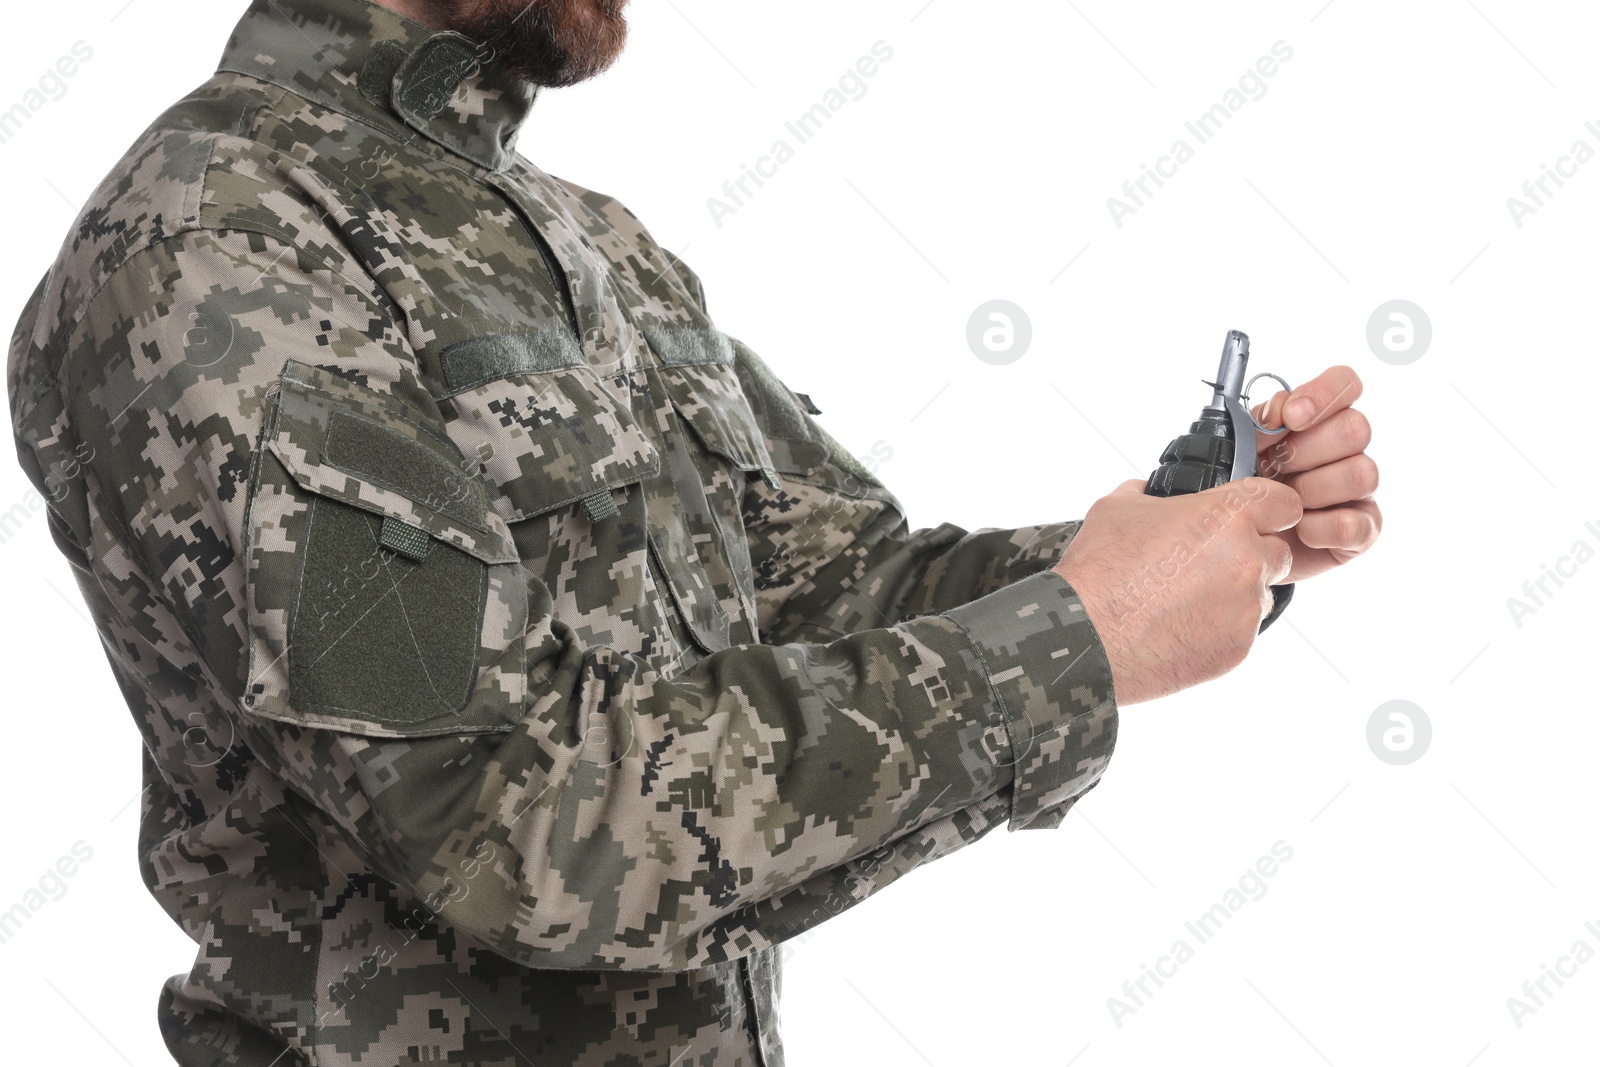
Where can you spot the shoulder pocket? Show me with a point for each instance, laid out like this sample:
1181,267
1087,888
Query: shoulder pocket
380,581
698,375
799,444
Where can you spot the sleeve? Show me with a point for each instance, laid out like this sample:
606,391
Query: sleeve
829,546
829,543
391,660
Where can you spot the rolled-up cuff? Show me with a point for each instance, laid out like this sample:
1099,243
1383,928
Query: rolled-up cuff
1052,680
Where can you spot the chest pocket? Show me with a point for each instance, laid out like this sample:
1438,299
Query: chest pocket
558,444
381,582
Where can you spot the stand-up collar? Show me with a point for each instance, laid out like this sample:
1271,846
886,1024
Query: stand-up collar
369,63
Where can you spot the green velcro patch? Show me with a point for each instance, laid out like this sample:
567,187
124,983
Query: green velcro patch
372,637
477,360
784,415
377,75
678,344
600,505
405,539
432,73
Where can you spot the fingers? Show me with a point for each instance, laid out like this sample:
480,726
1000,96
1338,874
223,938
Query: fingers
1327,394
1340,482
1348,530
1269,413
1345,433
1271,506
1279,555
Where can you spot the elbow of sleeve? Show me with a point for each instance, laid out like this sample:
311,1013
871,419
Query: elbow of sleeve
581,906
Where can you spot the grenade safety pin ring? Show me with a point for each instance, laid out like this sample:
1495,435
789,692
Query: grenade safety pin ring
1245,396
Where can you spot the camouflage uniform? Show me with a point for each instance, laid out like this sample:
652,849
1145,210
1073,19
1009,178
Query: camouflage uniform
518,661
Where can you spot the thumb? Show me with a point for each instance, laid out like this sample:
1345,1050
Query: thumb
1269,413
1131,487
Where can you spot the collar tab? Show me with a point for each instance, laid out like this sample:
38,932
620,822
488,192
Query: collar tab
372,64
430,76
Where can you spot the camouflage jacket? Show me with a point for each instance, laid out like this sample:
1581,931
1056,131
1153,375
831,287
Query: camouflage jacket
518,662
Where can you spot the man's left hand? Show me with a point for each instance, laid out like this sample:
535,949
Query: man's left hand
1323,458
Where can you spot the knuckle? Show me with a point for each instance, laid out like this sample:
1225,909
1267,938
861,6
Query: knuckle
1369,531
1348,381
1279,457
1349,528
1243,566
1364,476
1355,430
1287,498
1273,489
1256,487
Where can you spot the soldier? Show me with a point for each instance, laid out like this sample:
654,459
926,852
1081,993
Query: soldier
519,663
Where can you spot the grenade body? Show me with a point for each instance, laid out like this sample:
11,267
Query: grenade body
1209,454
1199,460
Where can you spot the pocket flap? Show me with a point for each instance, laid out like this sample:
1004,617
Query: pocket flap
339,441
551,438
698,376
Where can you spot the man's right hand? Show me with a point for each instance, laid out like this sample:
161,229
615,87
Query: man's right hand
1177,586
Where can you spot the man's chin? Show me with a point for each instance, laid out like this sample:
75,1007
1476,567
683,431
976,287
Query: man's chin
546,42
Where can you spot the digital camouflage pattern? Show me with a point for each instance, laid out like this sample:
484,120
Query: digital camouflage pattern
518,662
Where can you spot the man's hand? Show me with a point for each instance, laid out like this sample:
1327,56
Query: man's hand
1323,458
1176,587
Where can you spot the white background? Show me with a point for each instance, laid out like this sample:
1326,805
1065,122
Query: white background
977,166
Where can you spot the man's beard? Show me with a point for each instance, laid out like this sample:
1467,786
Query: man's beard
546,42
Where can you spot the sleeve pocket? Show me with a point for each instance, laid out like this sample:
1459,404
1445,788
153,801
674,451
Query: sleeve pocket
384,597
